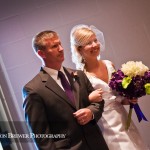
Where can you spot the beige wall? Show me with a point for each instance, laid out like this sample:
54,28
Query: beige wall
125,23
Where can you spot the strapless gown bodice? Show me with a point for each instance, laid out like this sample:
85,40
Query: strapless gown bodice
114,117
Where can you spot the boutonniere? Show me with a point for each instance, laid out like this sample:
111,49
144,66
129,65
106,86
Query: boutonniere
74,76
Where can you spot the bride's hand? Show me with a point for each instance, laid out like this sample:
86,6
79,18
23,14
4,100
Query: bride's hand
96,96
133,101
129,101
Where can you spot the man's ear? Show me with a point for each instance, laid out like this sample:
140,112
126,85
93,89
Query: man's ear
41,53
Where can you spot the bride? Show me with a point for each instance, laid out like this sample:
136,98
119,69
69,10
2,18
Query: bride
86,44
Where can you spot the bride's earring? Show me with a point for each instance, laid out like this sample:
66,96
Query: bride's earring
83,61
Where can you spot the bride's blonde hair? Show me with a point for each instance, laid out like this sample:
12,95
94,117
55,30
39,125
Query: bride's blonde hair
79,36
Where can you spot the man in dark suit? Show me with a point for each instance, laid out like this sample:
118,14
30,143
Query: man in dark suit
54,120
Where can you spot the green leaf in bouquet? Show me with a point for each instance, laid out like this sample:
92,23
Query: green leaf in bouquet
126,81
147,88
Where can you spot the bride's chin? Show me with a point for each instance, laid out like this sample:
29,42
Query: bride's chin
96,52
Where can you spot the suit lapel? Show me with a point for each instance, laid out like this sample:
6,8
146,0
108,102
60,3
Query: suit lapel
51,84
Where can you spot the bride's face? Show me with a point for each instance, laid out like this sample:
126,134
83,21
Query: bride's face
91,49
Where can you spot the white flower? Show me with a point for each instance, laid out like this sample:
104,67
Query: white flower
132,68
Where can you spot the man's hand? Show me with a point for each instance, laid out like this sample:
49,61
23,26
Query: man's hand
83,116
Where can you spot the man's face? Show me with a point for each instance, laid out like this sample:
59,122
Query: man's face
54,53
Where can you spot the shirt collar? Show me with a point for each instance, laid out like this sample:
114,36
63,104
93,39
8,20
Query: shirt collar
53,72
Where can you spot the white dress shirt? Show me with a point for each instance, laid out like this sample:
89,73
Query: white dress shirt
54,74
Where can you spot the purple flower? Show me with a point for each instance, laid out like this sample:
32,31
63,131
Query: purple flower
147,76
136,87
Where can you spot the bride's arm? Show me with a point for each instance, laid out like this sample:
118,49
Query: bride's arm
96,95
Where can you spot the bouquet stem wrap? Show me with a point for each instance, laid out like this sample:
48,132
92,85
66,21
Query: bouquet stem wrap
138,112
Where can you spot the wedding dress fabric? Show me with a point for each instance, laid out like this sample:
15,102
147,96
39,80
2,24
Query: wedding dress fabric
113,120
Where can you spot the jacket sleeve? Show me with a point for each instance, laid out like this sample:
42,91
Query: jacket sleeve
36,119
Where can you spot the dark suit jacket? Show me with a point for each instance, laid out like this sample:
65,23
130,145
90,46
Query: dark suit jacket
49,113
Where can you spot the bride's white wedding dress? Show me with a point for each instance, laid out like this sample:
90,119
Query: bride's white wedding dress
114,117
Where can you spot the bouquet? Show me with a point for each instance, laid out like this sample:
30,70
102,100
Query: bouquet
132,81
